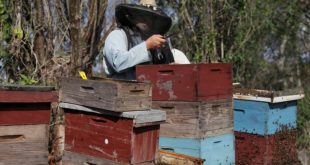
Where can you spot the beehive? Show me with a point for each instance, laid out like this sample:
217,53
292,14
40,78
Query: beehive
126,138
24,123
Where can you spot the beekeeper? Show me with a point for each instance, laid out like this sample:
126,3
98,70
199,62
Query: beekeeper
138,39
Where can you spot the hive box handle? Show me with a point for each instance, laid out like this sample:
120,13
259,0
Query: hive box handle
166,72
167,107
216,70
168,149
87,89
216,106
98,120
217,142
239,110
8,138
136,91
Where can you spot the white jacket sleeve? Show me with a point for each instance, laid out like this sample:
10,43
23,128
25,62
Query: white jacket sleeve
118,55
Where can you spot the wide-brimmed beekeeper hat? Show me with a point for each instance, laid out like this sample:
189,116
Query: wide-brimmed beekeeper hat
146,12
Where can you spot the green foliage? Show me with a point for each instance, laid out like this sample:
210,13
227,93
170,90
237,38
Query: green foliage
18,32
303,114
5,21
303,121
27,80
256,26
5,32
3,53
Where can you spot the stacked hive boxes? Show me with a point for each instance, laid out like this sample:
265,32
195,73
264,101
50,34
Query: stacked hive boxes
24,124
198,103
108,122
265,125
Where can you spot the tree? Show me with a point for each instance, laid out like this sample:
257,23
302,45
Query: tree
53,38
261,38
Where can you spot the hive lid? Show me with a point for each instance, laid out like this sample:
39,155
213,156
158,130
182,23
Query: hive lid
268,96
141,118
16,87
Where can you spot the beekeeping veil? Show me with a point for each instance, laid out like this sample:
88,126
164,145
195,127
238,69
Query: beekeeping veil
146,12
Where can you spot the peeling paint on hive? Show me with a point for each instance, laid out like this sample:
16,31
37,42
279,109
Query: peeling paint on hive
142,77
166,86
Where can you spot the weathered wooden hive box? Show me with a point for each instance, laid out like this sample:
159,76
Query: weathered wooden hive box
24,124
191,82
107,135
198,101
196,119
118,96
265,126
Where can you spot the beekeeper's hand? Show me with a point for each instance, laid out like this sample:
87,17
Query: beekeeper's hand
155,41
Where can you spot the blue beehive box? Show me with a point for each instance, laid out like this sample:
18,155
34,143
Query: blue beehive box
265,112
214,150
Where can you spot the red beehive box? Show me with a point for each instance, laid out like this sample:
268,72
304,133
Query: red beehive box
190,82
279,148
21,105
126,138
